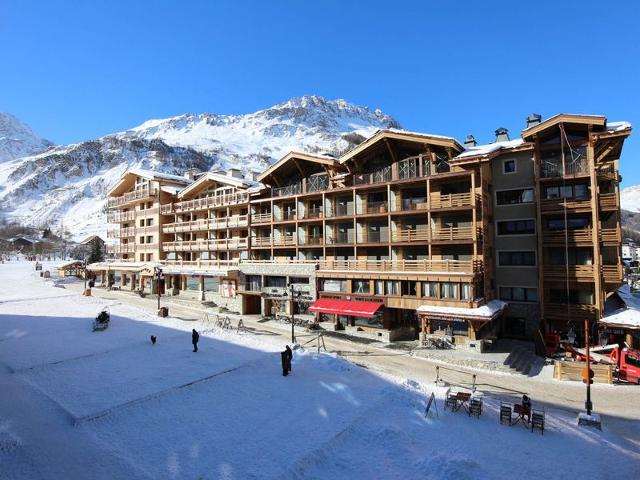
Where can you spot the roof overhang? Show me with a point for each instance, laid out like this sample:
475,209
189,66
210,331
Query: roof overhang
422,138
487,312
209,178
576,119
345,307
292,157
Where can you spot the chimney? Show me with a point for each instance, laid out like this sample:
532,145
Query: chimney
502,135
191,173
470,141
234,172
533,119
253,175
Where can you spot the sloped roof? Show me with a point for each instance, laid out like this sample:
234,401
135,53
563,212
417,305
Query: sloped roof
219,178
313,158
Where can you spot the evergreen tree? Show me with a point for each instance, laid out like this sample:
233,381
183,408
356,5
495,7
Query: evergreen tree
96,255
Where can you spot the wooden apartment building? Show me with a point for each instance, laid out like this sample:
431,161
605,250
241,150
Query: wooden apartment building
406,233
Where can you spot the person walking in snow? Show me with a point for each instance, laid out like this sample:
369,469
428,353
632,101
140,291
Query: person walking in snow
195,336
289,356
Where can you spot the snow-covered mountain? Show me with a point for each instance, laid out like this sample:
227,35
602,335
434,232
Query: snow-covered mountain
630,198
18,140
67,184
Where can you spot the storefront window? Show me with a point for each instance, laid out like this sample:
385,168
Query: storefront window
360,286
330,285
211,284
193,283
376,321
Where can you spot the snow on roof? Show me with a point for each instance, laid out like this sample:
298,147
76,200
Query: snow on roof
153,175
617,126
227,179
419,134
68,264
173,190
480,150
489,310
628,316
564,115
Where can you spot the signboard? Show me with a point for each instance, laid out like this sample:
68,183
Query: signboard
432,402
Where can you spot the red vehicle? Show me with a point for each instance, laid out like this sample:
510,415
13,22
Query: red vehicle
626,360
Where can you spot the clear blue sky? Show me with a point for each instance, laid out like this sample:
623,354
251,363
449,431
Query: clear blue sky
79,69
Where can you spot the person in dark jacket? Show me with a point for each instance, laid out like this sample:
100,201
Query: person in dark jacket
526,407
195,336
289,355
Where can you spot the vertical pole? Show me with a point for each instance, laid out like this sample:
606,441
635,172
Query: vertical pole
293,333
587,404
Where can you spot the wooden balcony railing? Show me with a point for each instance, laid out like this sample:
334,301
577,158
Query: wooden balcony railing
610,235
373,237
138,194
562,311
452,233
121,232
311,241
260,217
460,267
580,272
340,239
411,235
233,243
376,207
260,241
583,235
558,204
220,264
409,204
235,221
609,201
613,273
554,168
312,213
206,203
126,248
284,240
451,200
119,217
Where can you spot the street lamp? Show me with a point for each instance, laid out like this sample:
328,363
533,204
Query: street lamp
158,274
84,268
294,296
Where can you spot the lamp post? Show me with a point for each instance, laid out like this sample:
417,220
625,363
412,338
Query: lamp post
294,295
587,377
158,274
84,268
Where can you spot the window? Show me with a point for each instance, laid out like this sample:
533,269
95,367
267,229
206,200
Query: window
579,191
430,289
334,285
512,197
525,259
393,288
409,288
360,286
509,166
466,291
519,294
142,222
449,290
574,223
580,297
141,240
516,227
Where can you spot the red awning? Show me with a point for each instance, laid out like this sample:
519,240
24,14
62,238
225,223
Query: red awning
343,307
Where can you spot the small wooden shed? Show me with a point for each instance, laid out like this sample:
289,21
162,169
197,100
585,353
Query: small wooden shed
74,268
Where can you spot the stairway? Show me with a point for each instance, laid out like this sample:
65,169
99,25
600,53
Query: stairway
524,361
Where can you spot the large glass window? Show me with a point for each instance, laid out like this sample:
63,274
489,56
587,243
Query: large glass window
519,294
466,291
393,288
430,289
517,227
579,191
331,285
517,259
449,290
512,197
573,223
360,286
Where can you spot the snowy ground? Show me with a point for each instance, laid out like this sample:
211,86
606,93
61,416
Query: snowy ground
78,404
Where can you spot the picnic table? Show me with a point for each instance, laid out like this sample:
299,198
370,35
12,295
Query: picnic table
456,400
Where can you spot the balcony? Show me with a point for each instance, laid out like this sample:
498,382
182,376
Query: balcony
288,190
340,239
207,224
119,217
613,273
139,194
285,241
261,241
311,241
261,217
452,200
608,201
206,203
312,213
563,311
439,267
611,236
583,235
286,216
554,168
203,245
408,235
583,273
126,248
376,207
217,264
410,204
444,234
372,236
418,266
557,205
342,210
147,246
121,232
